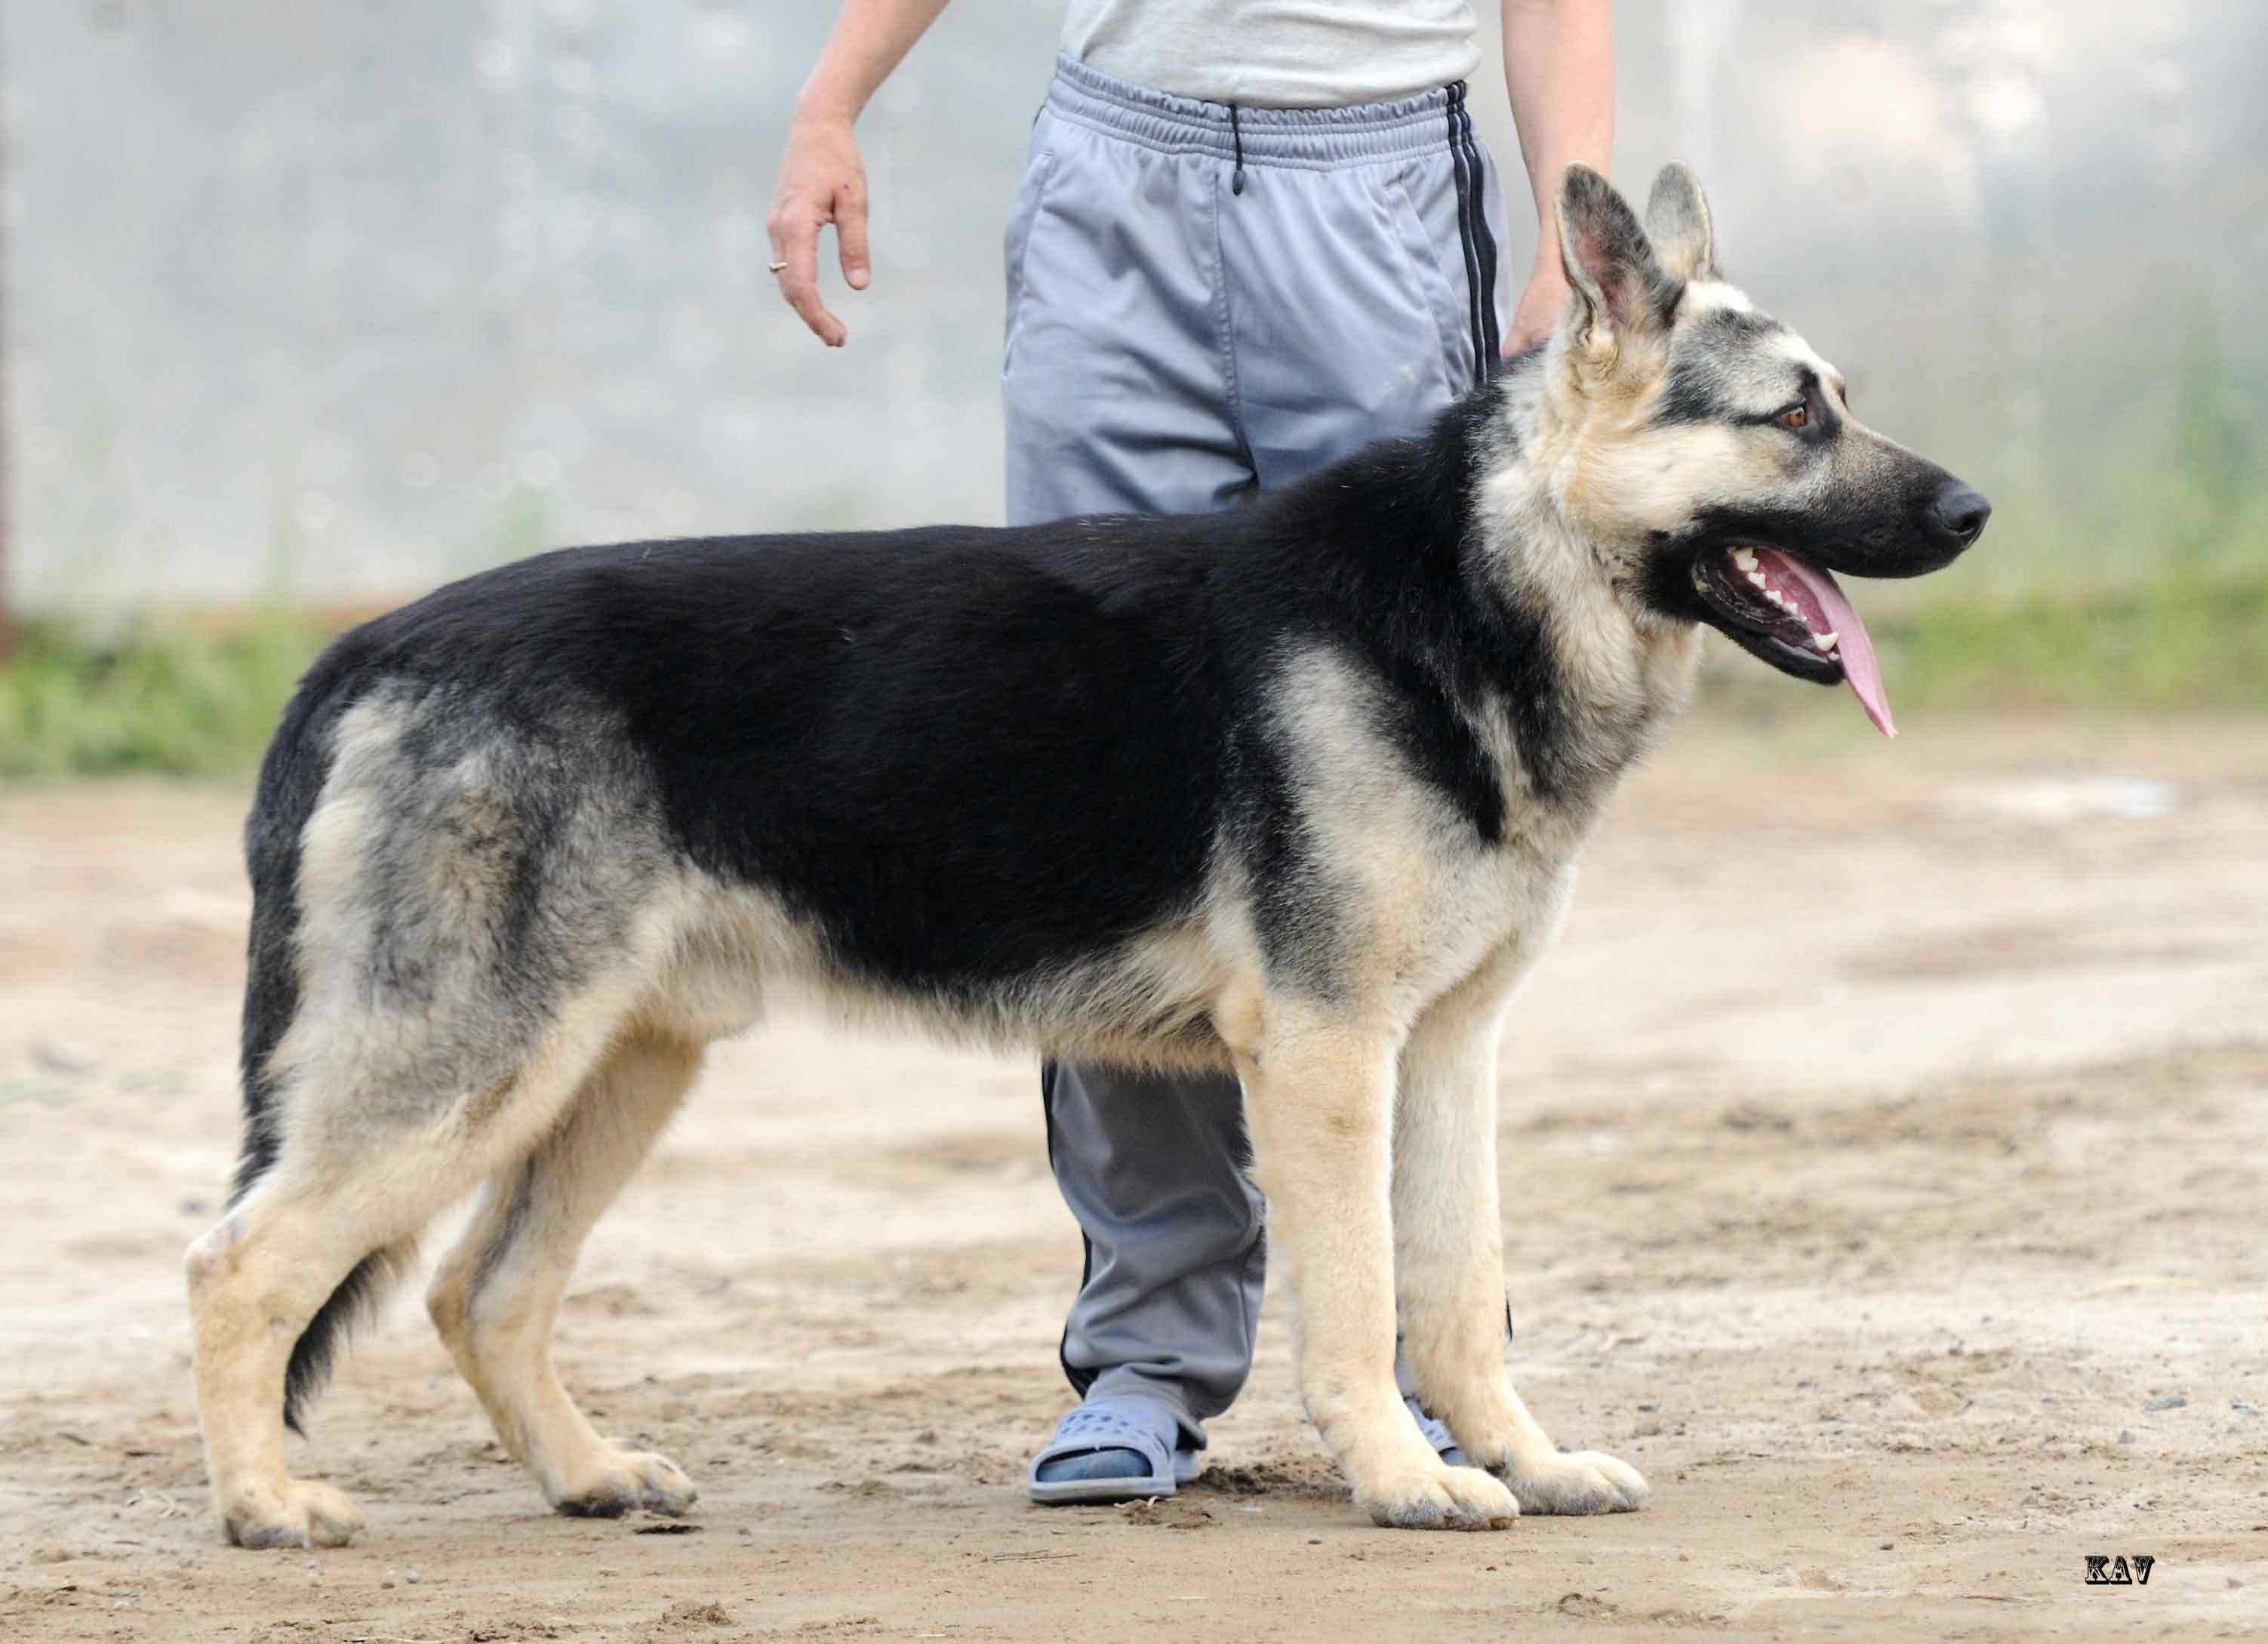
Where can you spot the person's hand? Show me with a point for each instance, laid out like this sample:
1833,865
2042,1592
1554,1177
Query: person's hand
1539,306
822,180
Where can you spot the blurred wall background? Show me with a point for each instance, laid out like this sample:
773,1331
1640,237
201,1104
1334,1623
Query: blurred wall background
333,300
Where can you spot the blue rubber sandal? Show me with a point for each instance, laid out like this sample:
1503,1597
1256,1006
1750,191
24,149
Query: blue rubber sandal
1117,1449
1436,1433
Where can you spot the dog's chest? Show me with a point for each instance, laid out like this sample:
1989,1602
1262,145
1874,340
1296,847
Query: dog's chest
1513,894
1437,900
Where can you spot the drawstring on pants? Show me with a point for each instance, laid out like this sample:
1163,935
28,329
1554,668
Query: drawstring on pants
1236,134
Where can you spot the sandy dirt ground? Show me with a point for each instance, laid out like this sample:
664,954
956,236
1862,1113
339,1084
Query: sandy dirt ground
1883,1158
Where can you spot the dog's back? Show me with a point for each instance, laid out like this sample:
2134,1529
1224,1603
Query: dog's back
962,758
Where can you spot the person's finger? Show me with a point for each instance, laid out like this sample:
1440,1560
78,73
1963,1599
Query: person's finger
795,242
851,232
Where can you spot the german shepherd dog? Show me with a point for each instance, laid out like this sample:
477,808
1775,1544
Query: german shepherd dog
521,849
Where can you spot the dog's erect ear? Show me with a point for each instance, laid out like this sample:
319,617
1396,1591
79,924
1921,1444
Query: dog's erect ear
1620,286
1677,222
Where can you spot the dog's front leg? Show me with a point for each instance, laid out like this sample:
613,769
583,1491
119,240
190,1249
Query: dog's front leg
1449,1262
1319,1101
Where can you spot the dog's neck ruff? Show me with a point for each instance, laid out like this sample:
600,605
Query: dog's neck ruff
1619,677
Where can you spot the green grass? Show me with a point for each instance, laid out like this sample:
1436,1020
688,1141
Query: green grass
166,700
2182,640
150,698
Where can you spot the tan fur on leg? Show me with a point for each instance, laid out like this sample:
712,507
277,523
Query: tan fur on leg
1318,1100
254,1281
1449,1257
347,1184
1448,1248
497,1295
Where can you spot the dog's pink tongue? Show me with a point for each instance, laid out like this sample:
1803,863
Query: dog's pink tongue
1860,670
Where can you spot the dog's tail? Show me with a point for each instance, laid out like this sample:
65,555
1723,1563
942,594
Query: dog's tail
290,781
354,1302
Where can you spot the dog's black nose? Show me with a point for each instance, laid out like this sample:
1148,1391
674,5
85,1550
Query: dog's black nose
1961,511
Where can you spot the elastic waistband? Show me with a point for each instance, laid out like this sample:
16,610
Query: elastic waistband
1361,134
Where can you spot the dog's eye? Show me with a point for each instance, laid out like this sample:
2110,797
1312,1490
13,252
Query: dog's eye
1796,417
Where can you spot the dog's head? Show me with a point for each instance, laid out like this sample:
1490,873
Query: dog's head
1710,455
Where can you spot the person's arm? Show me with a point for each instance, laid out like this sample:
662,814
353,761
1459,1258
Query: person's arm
822,179
1559,72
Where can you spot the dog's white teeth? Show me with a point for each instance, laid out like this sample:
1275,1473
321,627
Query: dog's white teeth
1757,576
1825,642
1746,559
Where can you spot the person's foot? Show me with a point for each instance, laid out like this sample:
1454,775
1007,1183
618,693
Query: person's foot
1119,1447
1436,1433
1094,1465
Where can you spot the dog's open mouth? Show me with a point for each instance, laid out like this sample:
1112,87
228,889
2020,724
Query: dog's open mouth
1795,617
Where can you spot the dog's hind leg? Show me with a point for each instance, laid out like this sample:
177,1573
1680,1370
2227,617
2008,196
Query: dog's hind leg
333,1212
256,1281
495,1297
314,1236
377,1128
1449,1258
1319,1099
455,910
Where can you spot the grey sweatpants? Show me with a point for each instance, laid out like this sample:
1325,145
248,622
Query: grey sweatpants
1203,303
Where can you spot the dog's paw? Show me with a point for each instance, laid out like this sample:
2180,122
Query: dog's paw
1588,1481
621,1481
301,1514
1440,1498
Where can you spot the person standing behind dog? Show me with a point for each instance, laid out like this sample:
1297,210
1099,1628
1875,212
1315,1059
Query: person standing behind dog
1248,242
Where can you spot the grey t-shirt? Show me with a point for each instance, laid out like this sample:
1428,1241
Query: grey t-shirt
1277,53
